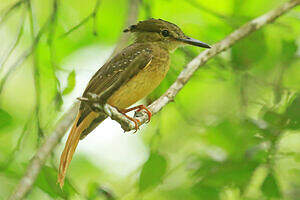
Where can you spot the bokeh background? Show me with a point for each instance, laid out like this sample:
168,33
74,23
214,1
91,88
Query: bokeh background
232,132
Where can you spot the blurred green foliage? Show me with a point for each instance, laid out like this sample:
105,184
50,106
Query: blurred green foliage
232,132
153,171
71,83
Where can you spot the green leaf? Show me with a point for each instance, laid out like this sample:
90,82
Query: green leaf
206,192
152,171
230,172
93,191
5,119
47,181
71,83
297,157
293,114
270,187
275,119
248,52
233,137
58,100
289,49
181,192
294,172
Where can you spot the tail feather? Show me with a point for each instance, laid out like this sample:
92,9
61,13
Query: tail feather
72,143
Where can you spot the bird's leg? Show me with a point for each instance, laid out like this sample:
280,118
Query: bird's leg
135,121
139,108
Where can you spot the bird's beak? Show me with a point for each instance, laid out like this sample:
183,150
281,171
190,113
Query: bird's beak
193,42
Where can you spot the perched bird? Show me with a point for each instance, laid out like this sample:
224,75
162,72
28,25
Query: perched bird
154,40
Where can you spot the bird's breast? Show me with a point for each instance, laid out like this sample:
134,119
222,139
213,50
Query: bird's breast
142,84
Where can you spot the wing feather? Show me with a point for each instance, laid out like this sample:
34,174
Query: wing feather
113,70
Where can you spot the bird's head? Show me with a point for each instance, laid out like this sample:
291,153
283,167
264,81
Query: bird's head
165,33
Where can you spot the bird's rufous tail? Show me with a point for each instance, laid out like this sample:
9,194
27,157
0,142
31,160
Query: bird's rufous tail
71,144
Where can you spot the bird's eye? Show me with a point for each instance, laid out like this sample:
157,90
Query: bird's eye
165,33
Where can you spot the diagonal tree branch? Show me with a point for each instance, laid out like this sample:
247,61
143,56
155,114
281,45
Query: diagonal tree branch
62,125
199,61
39,159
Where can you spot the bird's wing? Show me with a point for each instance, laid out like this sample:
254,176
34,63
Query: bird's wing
118,66
110,77
127,63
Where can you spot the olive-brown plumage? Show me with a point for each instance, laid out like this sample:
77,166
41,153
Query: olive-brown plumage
155,38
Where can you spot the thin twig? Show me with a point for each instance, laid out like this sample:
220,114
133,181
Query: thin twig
39,159
23,56
15,42
36,76
16,64
96,8
52,49
10,9
12,155
224,18
212,12
85,20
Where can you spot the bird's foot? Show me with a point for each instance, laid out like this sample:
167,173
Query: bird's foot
138,109
135,121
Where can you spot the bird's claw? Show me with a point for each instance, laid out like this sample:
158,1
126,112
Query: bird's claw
138,109
135,121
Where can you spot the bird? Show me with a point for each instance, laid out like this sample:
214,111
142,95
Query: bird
154,40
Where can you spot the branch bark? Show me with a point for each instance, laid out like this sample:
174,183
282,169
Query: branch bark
34,167
39,159
199,61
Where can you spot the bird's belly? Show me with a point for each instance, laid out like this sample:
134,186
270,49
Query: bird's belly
138,87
